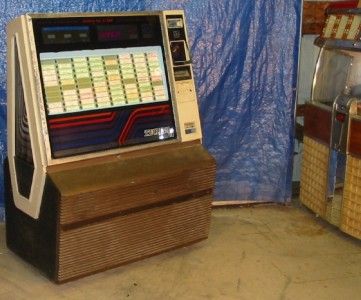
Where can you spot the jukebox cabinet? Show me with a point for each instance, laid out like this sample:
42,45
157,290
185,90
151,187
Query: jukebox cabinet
331,166
105,162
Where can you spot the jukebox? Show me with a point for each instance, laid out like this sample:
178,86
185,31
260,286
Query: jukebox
105,162
331,165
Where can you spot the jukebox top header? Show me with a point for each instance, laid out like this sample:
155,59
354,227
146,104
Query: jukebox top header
82,31
339,63
342,28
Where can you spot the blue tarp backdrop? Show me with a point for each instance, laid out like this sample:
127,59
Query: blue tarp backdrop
245,57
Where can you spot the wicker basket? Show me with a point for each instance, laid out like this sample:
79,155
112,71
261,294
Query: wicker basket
314,176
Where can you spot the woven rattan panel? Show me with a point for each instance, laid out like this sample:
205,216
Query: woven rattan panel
351,205
333,213
125,238
314,175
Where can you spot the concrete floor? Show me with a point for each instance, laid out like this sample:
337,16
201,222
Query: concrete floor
263,252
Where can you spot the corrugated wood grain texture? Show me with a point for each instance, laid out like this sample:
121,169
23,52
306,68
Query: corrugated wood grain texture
115,241
317,123
133,183
131,207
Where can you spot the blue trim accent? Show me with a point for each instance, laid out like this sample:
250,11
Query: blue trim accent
65,28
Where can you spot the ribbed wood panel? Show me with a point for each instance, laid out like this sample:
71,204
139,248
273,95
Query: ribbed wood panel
112,242
314,175
143,192
132,182
129,169
351,204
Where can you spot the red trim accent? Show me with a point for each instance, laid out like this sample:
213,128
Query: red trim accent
66,119
142,112
91,120
344,4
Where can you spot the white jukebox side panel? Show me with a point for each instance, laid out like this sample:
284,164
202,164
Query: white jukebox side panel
27,162
181,75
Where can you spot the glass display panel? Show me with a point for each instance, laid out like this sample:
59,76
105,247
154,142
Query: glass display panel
83,80
104,82
331,76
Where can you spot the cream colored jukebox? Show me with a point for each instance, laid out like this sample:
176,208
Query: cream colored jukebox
330,184
105,162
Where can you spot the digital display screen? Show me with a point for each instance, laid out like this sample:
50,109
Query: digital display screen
65,34
76,81
117,32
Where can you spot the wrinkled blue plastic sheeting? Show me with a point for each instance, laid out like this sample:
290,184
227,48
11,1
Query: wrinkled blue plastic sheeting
245,56
245,62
